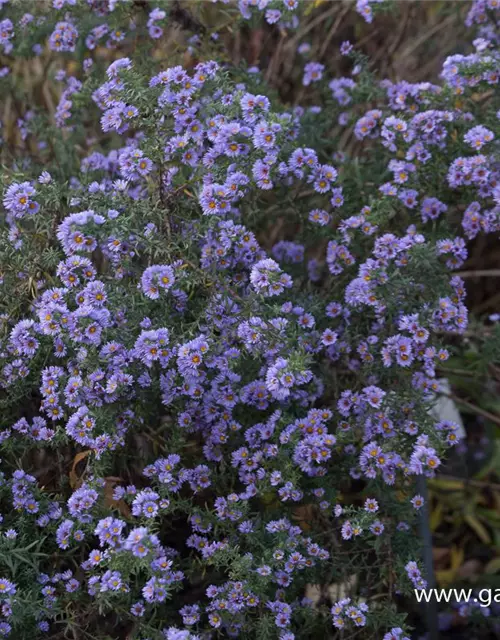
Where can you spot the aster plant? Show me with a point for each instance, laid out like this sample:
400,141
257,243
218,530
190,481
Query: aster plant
199,423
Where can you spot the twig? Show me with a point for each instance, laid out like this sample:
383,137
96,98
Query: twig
478,332
475,409
458,372
317,20
273,64
332,31
479,273
480,484
417,42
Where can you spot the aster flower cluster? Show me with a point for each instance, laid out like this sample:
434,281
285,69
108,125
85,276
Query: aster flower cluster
19,201
205,387
344,614
415,575
282,12
266,278
64,37
365,8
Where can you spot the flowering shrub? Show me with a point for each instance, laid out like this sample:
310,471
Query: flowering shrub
198,424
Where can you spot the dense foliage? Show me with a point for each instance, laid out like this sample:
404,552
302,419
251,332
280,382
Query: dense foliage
205,412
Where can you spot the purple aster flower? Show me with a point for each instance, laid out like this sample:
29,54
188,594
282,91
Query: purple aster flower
18,200
313,72
64,37
478,136
155,278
